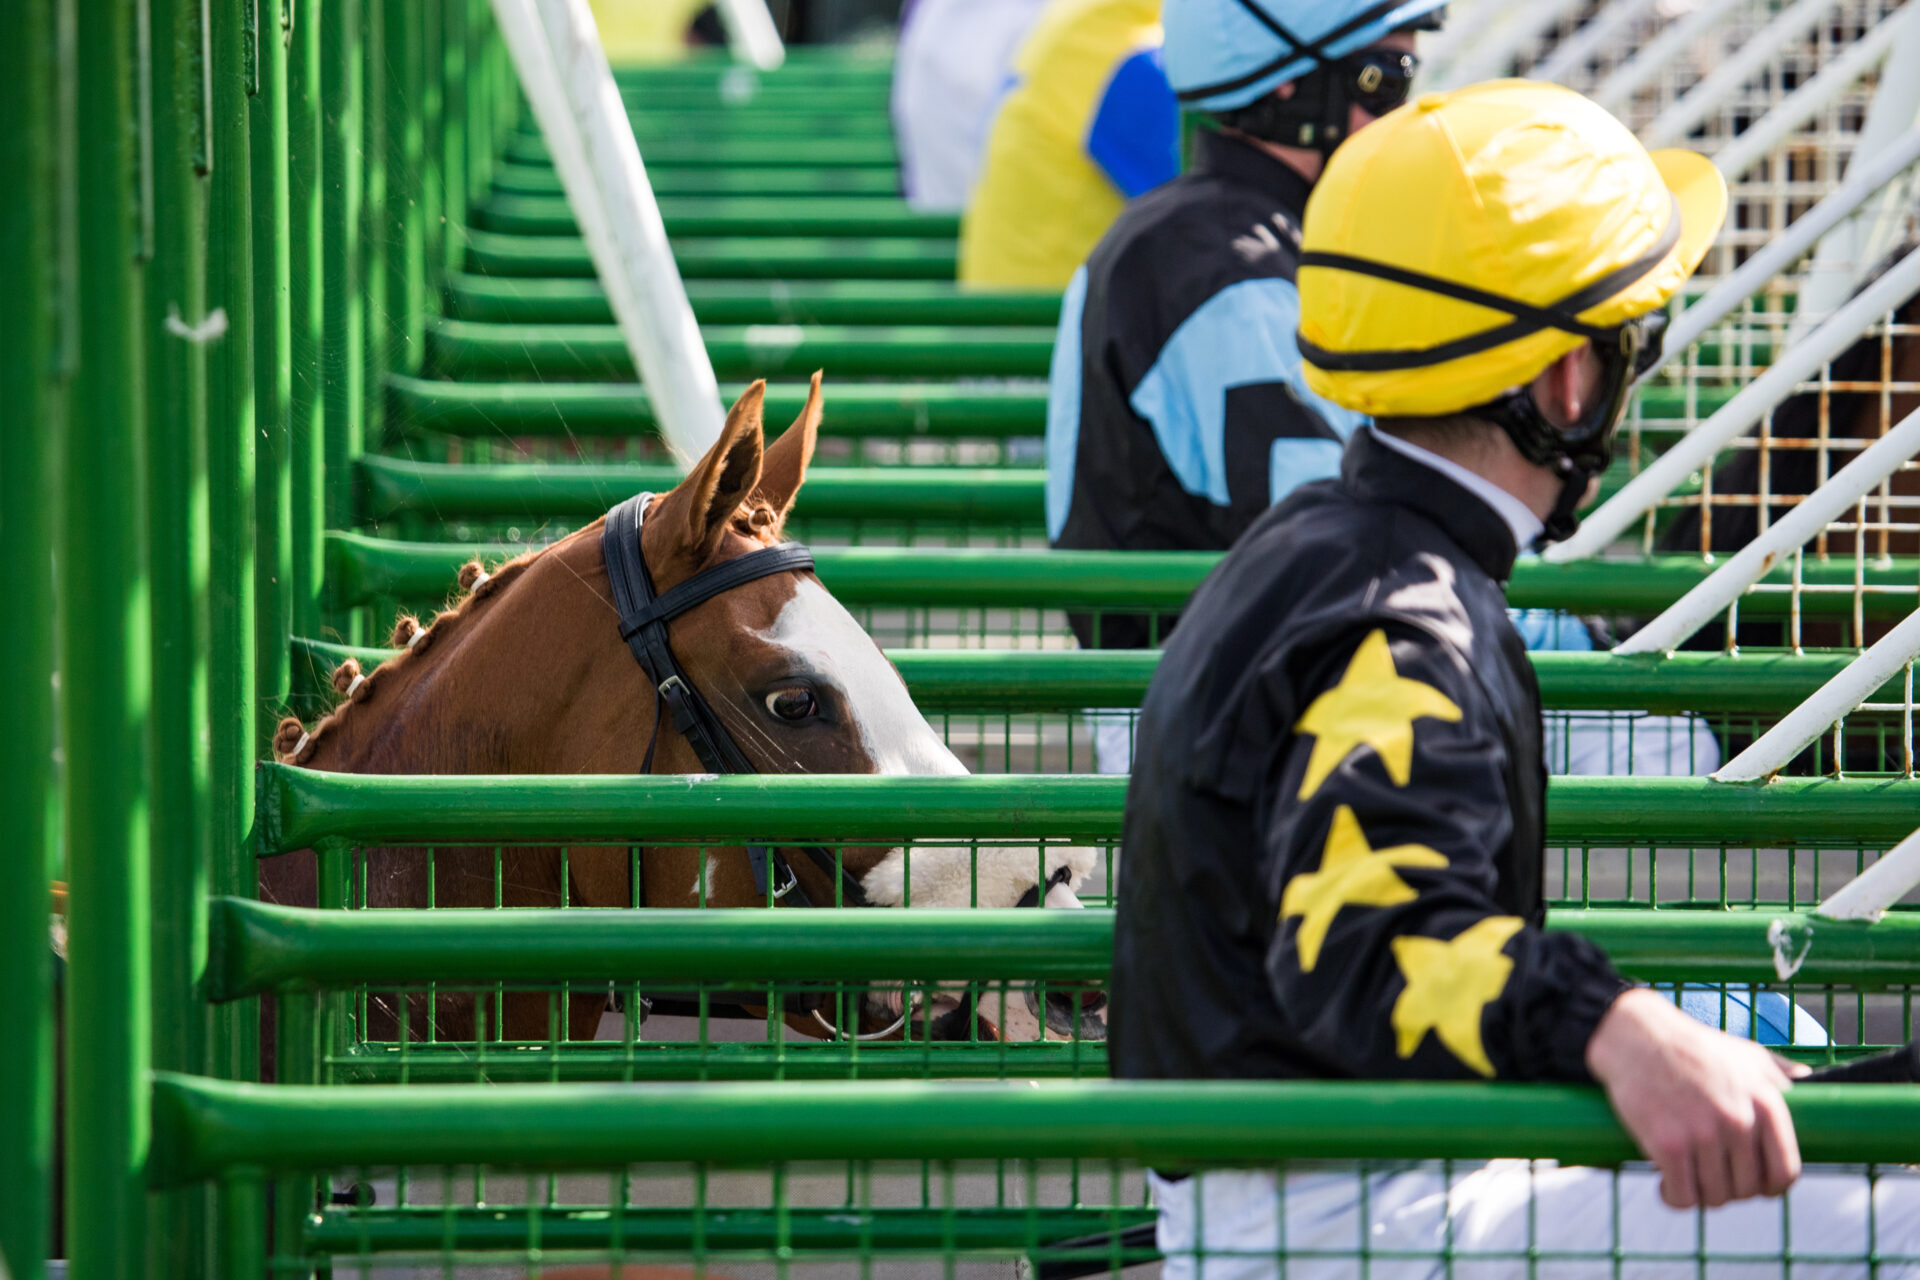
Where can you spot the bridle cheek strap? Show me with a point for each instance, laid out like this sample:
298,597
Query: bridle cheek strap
644,616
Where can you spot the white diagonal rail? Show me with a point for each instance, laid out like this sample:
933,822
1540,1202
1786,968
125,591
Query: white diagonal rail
1773,750
1752,562
1697,448
1867,896
1607,28
1800,106
1490,56
1863,179
563,70
1727,79
1617,89
751,34
1845,256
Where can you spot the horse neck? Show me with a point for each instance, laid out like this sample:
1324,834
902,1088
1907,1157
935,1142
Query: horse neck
516,679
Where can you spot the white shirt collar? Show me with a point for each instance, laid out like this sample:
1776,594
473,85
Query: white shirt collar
1525,525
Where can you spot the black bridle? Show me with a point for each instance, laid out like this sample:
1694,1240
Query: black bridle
644,615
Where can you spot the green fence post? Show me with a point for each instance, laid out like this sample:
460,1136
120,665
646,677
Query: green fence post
376,235
306,428
231,434
273,363
428,71
105,666
342,352
182,331
405,225
451,141
28,819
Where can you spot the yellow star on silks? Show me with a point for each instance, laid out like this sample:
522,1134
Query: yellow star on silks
1352,874
1372,706
1449,984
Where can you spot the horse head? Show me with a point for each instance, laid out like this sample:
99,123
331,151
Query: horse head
529,673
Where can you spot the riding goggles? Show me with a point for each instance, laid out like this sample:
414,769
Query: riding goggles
1378,80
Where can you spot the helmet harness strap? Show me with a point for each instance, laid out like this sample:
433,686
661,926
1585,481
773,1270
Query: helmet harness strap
1580,450
1316,115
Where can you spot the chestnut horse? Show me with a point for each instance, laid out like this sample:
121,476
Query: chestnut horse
529,674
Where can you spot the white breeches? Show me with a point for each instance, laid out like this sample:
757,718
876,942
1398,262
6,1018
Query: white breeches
1514,1218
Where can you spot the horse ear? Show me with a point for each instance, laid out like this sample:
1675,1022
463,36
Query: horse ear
785,468
715,489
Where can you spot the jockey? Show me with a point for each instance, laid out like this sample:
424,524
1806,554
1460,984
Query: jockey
949,70
1087,122
1176,412
1334,833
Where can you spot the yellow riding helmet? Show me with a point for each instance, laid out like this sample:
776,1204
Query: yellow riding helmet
1461,244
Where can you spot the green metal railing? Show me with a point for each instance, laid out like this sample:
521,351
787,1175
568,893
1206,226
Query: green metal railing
1021,1137
985,680
459,349
228,250
508,300
217,247
891,411
363,569
298,807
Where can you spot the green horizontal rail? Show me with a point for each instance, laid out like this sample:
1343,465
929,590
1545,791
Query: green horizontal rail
791,113
297,807
542,1062
474,349
758,257
300,806
258,947
1752,682
392,487
854,410
544,300
361,568
739,152
784,180
204,1127
982,411
974,1232
832,216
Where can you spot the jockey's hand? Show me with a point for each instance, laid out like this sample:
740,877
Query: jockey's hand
1704,1106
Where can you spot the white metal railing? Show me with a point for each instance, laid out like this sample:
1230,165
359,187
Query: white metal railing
1828,706
1611,27
1616,90
751,34
1726,79
1828,84
1497,48
1696,449
1784,250
1868,895
563,70
1847,253
1755,560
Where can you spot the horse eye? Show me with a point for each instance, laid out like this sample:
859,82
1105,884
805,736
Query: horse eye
793,703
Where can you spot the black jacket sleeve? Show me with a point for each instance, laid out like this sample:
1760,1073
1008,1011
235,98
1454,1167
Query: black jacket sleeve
1382,822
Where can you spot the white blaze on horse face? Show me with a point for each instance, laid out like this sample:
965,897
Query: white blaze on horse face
818,631
824,637
956,876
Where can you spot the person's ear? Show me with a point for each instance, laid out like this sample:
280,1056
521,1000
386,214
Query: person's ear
1562,390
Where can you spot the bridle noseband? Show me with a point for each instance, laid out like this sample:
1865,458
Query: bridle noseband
644,615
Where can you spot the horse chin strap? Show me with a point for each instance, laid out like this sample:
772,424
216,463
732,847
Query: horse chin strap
644,617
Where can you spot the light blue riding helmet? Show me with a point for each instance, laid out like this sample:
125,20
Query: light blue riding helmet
1223,54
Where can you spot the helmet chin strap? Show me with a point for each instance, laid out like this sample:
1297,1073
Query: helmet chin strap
1564,519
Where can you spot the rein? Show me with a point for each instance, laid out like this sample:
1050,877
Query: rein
644,617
